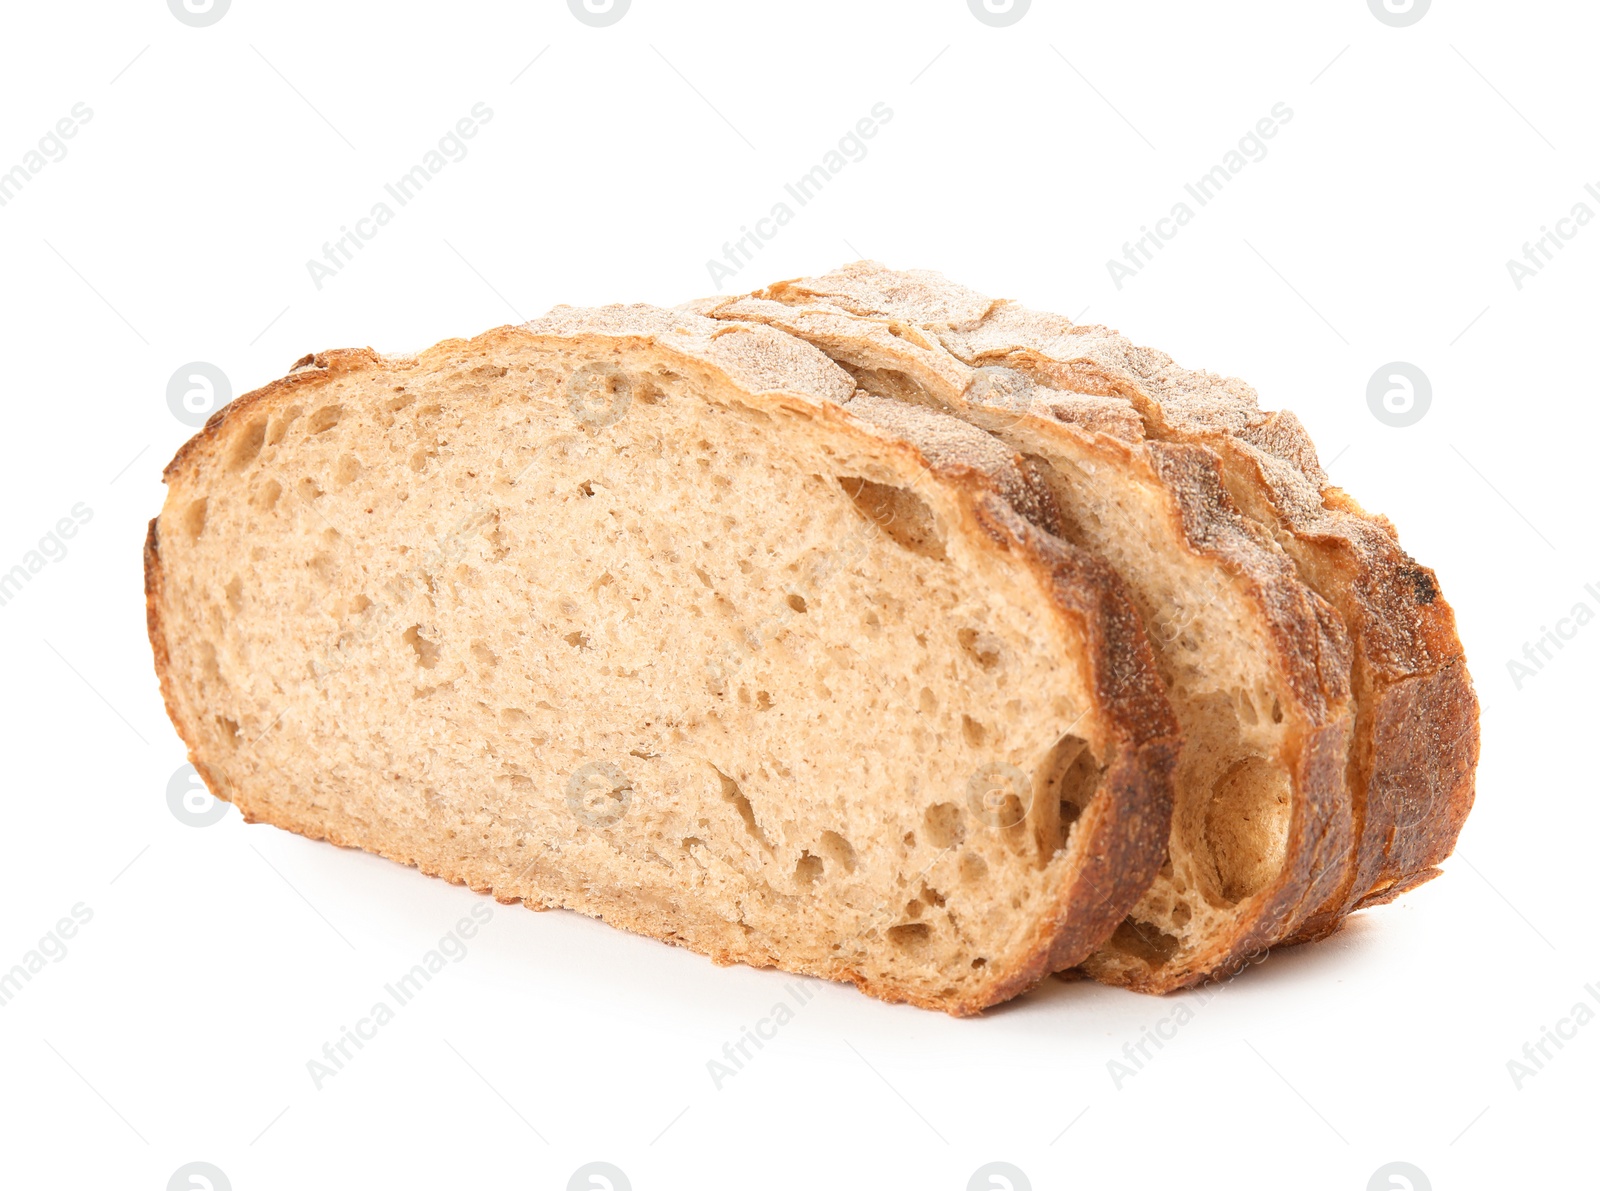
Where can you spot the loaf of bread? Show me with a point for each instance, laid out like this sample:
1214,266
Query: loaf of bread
863,627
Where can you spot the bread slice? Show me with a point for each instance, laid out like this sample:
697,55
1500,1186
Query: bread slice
1414,752
663,620
1256,664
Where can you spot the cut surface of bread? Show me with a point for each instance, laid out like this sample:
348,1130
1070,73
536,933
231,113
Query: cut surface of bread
1413,755
668,621
1256,664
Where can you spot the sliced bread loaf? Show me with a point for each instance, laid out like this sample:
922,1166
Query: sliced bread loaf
665,620
1414,751
1256,664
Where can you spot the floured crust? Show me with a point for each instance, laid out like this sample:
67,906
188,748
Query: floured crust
1415,749
1120,836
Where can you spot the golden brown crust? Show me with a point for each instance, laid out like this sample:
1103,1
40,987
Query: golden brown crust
1122,830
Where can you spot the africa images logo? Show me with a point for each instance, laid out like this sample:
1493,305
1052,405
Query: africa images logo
1398,1176
599,13
196,391
199,13
1399,13
1399,394
598,1176
198,1176
998,1176
190,802
999,13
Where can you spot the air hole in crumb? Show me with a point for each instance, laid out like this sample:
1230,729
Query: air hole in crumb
763,701
194,519
733,794
837,850
909,936
587,488
913,909
1143,941
1073,779
983,648
267,495
1247,709
347,471
577,640
797,602
279,425
427,652
980,962
972,731
484,654
927,703
808,868
248,445
973,868
944,825
308,489
899,512
1277,711
235,593
324,419
1247,826
513,715
1181,913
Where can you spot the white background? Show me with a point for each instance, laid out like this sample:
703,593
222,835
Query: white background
1377,228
